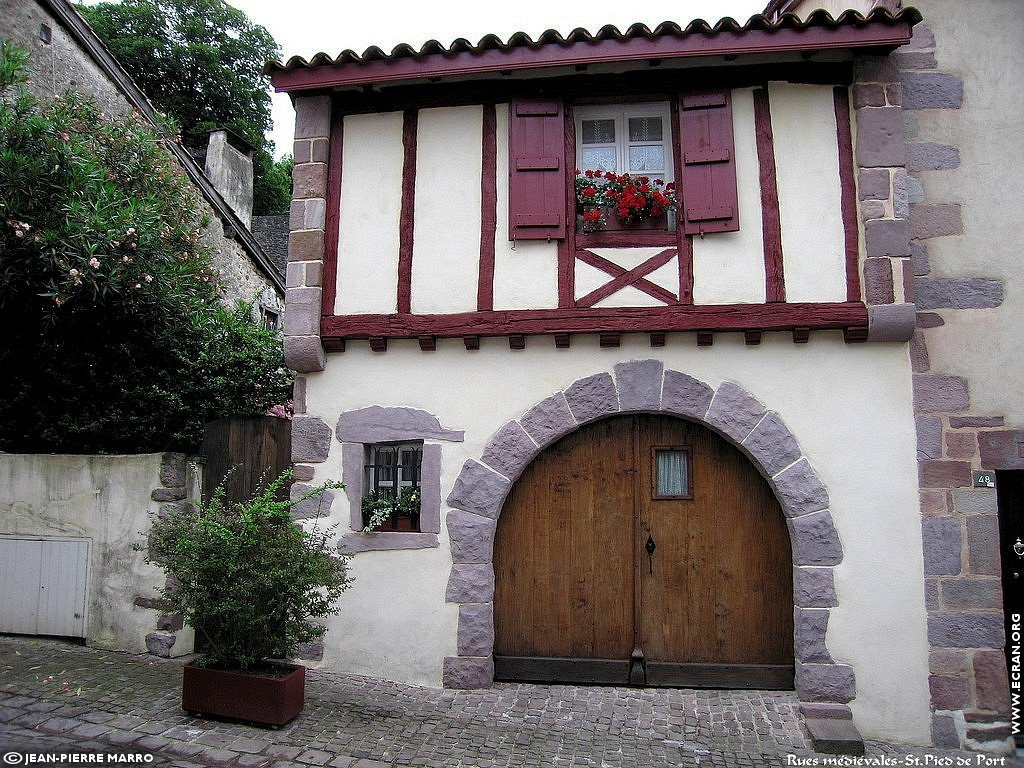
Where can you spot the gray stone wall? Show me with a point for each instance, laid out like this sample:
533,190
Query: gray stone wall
62,64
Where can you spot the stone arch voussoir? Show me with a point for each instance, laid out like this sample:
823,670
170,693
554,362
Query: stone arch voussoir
645,386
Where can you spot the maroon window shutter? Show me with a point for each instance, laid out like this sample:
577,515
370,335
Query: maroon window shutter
708,162
536,170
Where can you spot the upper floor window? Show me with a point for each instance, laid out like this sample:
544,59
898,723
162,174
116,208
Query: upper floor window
634,139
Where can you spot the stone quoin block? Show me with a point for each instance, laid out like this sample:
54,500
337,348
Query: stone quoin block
894,94
915,192
1003,449
983,545
814,588
468,672
944,732
872,209
943,545
302,319
303,473
304,354
931,594
168,494
946,661
470,583
320,150
476,629
306,245
172,470
815,539
810,627
934,503
875,69
295,275
170,622
549,420
800,490
312,116
940,394
309,180
734,411
929,437
685,396
919,257
868,96
943,474
592,398
939,220
771,444
314,274
929,156
825,711
879,137
479,489
873,184
878,282
639,384
887,238
961,445
302,151
160,645
380,424
916,59
311,439
966,630
510,450
299,394
975,501
972,593
971,293
825,682
931,90
919,360
318,506
990,678
900,200
891,322
471,536
949,693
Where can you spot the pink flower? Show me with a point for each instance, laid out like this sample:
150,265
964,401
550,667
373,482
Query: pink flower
148,278
94,262
72,272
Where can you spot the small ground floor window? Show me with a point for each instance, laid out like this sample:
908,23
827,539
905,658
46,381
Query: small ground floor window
392,498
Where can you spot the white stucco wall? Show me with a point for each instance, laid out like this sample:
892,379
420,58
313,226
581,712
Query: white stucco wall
106,500
849,406
371,203
728,267
446,232
807,175
981,43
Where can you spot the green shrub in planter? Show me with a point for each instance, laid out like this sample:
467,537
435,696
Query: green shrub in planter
250,580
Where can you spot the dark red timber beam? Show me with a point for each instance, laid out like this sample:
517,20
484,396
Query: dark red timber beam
466,59
407,216
488,209
848,192
730,317
771,225
333,218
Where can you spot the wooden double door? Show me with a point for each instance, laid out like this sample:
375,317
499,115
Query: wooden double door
643,550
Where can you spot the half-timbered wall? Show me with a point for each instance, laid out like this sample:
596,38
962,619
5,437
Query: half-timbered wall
412,235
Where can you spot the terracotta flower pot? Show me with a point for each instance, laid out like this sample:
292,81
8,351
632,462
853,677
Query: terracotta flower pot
253,698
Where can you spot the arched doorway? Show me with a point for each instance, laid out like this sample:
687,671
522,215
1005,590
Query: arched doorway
643,549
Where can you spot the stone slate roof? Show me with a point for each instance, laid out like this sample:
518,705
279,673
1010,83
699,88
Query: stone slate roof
271,232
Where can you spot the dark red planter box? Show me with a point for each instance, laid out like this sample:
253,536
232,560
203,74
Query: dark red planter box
241,696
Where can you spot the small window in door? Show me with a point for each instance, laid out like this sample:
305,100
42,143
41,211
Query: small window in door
671,473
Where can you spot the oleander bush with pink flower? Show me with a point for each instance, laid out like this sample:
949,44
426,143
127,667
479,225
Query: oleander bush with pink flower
116,336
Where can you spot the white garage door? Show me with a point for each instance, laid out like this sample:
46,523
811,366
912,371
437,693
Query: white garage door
43,585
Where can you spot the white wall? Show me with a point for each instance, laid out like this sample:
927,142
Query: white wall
728,267
807,174
446,234
371,204
848,406
105,499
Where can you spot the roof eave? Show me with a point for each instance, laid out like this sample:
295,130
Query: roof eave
876,36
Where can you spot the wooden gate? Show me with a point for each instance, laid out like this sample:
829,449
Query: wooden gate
245,453
643,550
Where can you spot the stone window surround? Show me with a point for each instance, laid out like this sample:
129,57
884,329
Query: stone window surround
644,386
361,428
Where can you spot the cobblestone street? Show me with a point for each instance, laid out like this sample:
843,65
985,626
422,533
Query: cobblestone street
56,696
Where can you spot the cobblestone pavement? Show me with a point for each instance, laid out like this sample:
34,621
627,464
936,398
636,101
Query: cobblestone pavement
58,697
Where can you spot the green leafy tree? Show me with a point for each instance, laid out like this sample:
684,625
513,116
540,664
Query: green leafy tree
200,61
116,339
272,184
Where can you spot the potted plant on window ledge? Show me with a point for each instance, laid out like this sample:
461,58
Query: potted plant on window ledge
382,512
610,201
250,581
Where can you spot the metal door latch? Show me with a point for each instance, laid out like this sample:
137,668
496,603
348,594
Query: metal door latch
650,547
